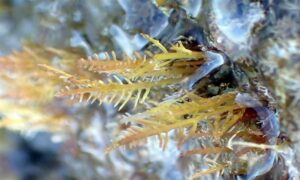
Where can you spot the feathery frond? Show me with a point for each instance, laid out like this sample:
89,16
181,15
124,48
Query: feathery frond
28,93
183,113
131,77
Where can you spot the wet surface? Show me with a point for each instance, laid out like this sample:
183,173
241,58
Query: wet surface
250,47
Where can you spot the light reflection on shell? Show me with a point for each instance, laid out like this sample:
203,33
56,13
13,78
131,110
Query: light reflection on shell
231,24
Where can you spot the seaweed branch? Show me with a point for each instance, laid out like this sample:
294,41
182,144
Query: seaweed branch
131,77
183,113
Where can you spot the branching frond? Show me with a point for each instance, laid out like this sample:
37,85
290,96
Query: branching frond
179,62
213,169
116,90
33,92
114,65
27,92
131,77
183,113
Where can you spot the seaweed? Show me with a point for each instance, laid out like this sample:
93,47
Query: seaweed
147,78
131,77
183,113
28,93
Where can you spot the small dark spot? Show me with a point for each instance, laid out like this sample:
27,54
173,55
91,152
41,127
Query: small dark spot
187,99
187,116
